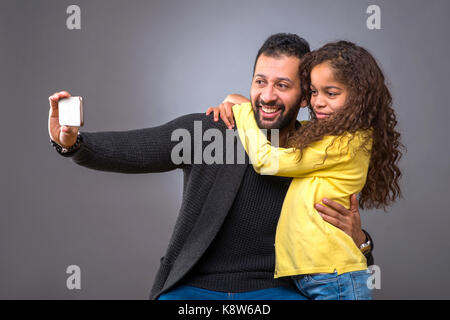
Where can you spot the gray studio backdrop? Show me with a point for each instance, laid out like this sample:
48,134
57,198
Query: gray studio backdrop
142,63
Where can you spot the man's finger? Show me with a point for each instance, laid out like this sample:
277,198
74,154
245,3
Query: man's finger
53,103
69,130
63,94
328,211
55,97
336,206
353,203
335,222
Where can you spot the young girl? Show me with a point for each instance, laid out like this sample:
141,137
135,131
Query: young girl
350,145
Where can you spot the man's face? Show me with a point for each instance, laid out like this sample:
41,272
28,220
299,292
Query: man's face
275,91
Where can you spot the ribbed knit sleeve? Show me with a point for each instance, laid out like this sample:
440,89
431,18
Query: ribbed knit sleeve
137,151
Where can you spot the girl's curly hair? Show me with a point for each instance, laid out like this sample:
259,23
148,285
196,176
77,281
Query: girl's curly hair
368,105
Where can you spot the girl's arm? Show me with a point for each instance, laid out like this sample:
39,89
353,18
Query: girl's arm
236,99
270,160
224,110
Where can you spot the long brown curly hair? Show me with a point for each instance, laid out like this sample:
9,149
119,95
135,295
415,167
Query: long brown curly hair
368,106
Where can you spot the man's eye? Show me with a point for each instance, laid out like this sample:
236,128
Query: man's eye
259,82
282,85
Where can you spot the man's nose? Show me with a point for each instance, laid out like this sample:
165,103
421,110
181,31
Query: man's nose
268,94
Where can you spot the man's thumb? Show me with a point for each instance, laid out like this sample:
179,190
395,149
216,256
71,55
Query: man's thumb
68,130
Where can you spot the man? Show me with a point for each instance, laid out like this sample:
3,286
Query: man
222,246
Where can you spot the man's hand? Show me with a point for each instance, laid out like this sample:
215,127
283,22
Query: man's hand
348,220
65,136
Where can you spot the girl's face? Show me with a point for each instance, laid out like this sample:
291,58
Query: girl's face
327,94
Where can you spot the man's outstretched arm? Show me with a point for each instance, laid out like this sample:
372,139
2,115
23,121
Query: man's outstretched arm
133,151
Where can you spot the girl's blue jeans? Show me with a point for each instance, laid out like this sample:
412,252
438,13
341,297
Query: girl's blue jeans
331,286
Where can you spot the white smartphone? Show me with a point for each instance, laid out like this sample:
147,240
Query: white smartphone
71,112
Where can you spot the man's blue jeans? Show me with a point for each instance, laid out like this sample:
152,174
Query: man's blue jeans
194,293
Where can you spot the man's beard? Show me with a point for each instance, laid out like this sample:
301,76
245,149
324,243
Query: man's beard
283,120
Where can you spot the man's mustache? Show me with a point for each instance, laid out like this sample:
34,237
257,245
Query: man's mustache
260,102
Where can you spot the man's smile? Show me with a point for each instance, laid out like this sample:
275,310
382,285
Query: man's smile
270,112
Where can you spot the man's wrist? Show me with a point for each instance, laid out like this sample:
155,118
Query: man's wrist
366,247
70,150
362,238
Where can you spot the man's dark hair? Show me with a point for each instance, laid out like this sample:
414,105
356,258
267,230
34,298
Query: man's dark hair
283,44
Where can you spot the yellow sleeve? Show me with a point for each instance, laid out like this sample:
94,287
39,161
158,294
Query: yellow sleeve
270,160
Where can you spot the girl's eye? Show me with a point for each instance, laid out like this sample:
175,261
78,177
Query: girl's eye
332,94
313,92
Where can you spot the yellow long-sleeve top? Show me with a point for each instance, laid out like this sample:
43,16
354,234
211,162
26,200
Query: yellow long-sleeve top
304,242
